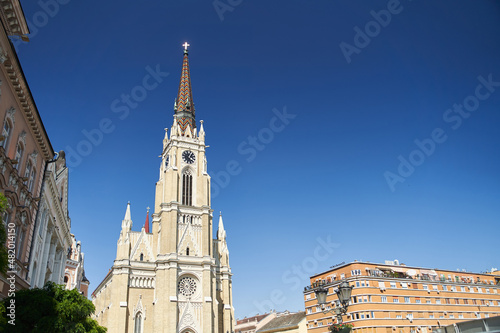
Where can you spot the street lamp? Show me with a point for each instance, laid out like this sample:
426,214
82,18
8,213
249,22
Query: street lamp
343,293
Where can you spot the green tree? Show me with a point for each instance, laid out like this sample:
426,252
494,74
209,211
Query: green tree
3,236
50,309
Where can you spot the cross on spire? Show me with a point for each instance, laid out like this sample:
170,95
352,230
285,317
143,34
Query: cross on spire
186,46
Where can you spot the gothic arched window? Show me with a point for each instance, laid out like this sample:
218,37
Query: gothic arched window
187,251
138,323
187,188
141,258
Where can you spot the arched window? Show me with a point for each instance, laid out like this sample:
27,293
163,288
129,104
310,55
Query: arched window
27,173
187,188
6,132
20,240
138,323
187,251
19,155
32,180
141,258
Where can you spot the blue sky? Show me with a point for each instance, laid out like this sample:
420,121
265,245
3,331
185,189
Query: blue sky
343,117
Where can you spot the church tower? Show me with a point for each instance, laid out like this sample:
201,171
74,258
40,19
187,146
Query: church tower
177,278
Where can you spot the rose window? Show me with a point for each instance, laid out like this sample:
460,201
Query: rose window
187,286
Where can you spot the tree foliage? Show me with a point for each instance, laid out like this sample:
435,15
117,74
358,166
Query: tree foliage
3,236
50,309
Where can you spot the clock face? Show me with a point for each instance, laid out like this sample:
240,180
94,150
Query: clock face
188,156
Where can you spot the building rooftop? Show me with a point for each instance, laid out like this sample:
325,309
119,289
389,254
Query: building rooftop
284,321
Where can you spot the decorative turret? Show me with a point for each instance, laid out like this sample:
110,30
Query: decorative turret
184,105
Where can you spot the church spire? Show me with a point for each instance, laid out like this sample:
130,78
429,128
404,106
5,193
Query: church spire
146,224
127,220
184,106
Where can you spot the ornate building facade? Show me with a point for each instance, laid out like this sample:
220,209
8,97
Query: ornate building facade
176,278
25,148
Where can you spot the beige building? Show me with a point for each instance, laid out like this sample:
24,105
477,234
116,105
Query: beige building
24,148
177,278
395,298
52,237
254,323
286,322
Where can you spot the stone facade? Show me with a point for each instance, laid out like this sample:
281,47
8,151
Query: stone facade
177,278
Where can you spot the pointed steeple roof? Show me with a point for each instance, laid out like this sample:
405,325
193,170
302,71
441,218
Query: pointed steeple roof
184,105
221,233
146,224
127,220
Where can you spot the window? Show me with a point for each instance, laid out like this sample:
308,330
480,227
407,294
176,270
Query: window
383,299
466,301
407,299
355,272
187,251
431,316
479,290
19,154
461,316
20,240
409,316
487,290
474,302
451,316
445,288
399,317
462,288
414,285
393,284
138,323
447,300
395,300
141,258
309,310
453,288
434,287
438,301
424,287
32,180
308,296
342,276
6,131
457,301
357,284
27,173
428,301
187,188
404,285
417,300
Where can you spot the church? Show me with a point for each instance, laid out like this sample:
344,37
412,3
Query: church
177,277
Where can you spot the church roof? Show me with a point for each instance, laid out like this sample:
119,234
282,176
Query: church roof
184,105
286,321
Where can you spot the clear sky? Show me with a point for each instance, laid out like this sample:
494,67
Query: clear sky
361,129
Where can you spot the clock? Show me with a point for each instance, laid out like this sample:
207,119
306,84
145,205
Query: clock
188,156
